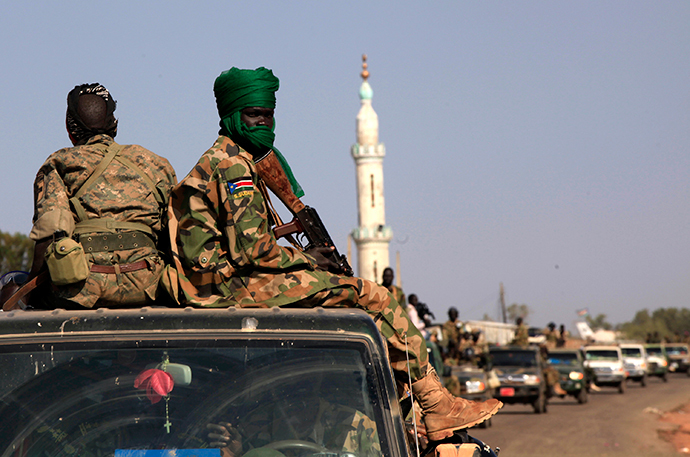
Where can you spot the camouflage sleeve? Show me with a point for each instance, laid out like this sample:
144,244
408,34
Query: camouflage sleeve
362,439
250,237
51,203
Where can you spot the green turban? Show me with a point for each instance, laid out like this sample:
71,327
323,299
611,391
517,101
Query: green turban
237,89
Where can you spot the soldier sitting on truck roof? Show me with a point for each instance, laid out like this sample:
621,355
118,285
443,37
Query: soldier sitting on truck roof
98,208
226,254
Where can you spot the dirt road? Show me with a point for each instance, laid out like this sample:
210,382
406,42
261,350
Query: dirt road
610,424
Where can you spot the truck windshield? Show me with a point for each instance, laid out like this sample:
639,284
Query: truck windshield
655,350
602,355
563,358
137,398
523,359
632,352
677,350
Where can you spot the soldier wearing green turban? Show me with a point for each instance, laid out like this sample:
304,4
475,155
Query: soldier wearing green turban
225,253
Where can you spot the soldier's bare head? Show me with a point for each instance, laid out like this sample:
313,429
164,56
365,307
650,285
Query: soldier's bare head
90,111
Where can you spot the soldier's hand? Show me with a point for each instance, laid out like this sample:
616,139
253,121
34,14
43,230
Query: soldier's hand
224,435
322,261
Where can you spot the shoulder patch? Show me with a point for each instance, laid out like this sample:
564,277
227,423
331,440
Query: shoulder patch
240,187
232,150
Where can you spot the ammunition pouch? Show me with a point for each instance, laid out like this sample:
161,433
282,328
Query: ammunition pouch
66,262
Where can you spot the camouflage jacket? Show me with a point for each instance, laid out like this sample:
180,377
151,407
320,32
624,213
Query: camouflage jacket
223,247
336,427
521,336
119,193
451,332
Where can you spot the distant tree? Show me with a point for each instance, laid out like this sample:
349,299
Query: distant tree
487,317
16,252
514,311
599,322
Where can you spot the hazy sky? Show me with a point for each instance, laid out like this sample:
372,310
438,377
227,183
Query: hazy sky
544,145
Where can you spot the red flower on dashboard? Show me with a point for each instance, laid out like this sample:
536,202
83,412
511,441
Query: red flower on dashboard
157,384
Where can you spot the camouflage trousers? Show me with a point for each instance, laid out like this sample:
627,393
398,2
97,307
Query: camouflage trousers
404,340
552,376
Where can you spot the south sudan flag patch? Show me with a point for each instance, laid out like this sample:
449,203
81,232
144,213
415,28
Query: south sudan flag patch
240,187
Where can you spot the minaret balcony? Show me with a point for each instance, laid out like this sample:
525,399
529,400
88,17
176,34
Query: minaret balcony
377,233
368,150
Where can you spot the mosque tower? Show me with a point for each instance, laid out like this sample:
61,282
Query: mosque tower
373,236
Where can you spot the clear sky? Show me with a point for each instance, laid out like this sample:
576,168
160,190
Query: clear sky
542,144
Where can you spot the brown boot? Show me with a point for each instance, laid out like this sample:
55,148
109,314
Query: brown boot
444,413
558,390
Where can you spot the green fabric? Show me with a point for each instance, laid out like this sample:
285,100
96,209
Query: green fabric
237,89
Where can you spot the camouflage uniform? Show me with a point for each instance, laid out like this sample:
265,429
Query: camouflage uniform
225,254
551,338
451,332
336,427
521,336
119,196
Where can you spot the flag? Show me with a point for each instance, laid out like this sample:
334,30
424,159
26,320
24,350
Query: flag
582,312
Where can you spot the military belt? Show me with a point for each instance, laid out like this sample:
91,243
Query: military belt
126,268
108,242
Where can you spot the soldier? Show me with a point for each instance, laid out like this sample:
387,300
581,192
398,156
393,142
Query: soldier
309,419
551,335
109,198
562,337
521,334
451,333
225,252
551,373
388,276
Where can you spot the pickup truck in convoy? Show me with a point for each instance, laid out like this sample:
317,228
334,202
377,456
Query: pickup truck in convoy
678,357
159,382
635,361
606,363
520,372
574,377
657,363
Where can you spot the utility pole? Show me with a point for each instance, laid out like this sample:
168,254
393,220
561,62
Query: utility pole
502,296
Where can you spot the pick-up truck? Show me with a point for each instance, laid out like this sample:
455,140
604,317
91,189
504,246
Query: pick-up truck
157,382
520,372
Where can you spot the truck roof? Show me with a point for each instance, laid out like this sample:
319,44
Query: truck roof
31,324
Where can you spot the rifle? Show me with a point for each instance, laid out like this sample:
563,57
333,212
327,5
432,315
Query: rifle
306,220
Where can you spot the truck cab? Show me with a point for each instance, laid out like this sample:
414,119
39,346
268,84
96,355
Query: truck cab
606,363
133,382
155,382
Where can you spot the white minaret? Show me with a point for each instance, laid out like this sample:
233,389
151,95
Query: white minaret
373,236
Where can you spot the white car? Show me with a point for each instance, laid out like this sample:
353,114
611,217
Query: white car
635,362
606,364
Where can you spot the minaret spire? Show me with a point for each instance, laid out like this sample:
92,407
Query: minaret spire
373,236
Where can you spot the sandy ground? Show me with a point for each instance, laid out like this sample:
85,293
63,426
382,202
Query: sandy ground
679,434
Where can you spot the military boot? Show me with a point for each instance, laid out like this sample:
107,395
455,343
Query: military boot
558,390
444,413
